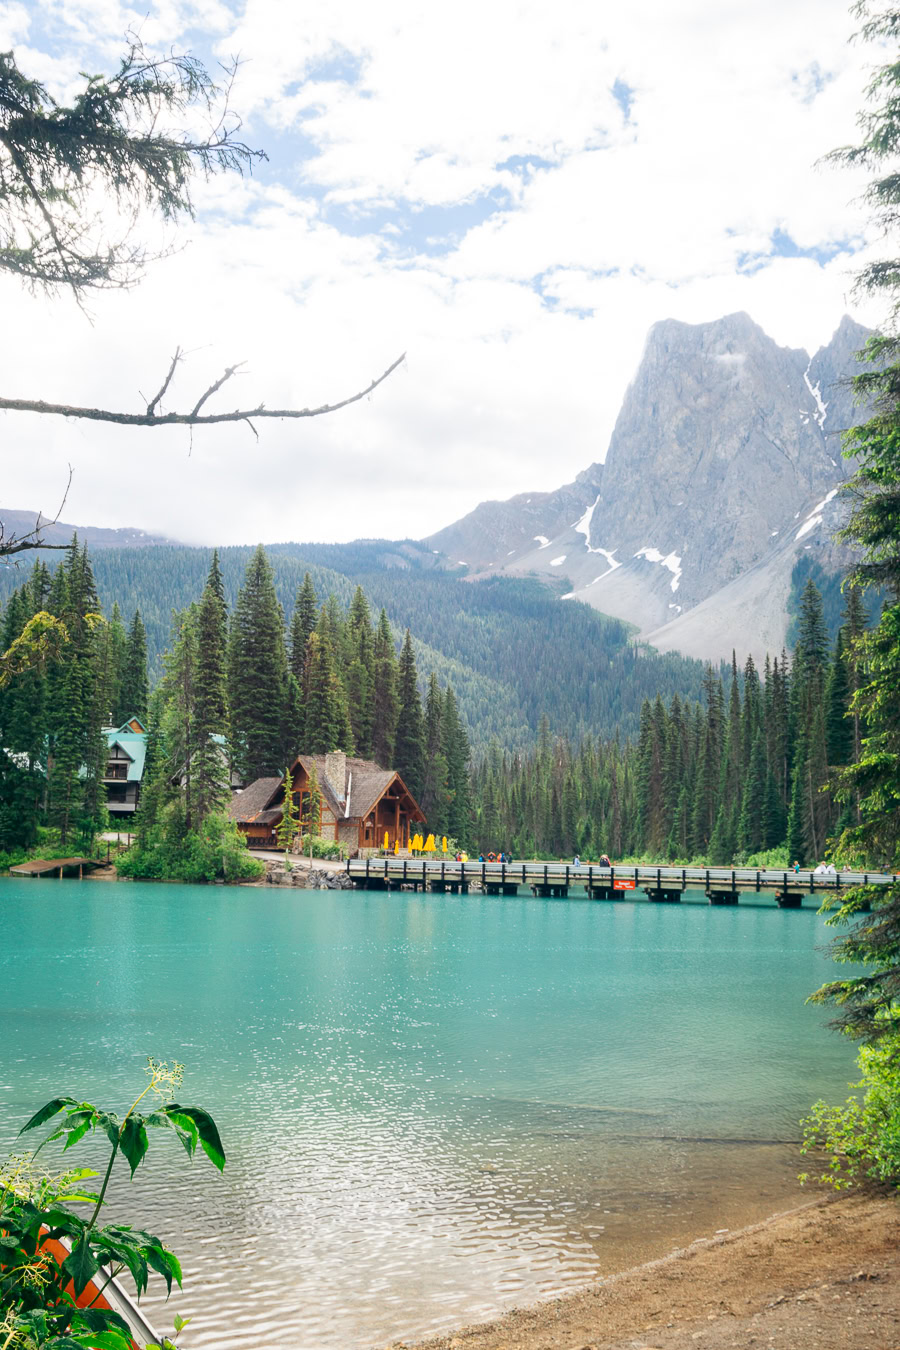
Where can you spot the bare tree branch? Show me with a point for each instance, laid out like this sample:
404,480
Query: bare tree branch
151,406
10,544
194,418
214,387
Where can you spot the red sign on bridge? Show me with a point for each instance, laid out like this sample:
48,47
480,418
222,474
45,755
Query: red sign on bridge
621,884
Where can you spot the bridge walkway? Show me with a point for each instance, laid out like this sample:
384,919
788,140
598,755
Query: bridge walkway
661,884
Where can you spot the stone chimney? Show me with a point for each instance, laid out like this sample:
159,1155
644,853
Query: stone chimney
336,773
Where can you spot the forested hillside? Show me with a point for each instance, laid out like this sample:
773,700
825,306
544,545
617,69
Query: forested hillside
722,781
510,649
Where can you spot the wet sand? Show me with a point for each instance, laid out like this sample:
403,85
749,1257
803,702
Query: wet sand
824,1276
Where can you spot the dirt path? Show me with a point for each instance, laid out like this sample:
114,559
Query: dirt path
824,1277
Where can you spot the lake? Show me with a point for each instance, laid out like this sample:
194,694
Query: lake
434,1107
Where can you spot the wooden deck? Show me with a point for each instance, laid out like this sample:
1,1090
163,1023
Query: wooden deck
721,885
42,867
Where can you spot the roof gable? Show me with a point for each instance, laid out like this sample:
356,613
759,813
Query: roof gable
365,783
134,745
247,806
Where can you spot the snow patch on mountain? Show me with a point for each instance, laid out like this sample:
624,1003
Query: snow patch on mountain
542,540
671,561
557,562
821,405
583,526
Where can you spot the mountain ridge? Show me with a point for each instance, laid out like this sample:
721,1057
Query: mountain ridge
723,465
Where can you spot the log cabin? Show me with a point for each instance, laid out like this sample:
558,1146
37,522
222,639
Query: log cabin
361,803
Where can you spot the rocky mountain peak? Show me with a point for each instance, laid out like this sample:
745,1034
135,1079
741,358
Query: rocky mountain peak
723,466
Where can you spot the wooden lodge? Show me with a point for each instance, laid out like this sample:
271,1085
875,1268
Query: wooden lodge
361,803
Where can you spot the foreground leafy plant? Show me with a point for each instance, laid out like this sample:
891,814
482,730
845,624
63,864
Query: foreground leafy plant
861,1139
38,1291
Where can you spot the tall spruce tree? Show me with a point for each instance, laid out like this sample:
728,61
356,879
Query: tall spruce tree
133,687
869,1001
257,675
436,792
409,744
361,674
113,641
386,705
76,751
456,749
327,722
303,621
210,771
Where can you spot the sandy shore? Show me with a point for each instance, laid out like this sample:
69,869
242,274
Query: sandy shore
825,1276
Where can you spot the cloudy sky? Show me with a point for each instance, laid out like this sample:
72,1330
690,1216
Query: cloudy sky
510,191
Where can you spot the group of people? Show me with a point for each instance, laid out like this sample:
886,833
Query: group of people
495,857
602,861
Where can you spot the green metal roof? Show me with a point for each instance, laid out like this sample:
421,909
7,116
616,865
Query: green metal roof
134,743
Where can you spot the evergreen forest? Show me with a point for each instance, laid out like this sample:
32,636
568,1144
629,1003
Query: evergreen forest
739,772
511,651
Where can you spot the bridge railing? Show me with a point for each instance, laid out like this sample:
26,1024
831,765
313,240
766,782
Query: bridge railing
591,874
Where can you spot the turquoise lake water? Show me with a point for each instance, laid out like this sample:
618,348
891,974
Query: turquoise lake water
434,1107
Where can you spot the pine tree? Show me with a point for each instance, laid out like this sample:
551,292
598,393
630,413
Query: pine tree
456,748
361,674
179,728
311,808
257,675
303,622
752,829
386,709
409,744
133,688
76,755
436,794
289,824
113,642
210,713
838,728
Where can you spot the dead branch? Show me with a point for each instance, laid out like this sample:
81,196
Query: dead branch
151,406
194,418
10,544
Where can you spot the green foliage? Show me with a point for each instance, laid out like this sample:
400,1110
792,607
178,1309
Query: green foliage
510,649
409,739
215,851
258,675
313,845
117,140
35,1308
290,819
861,1139
133,689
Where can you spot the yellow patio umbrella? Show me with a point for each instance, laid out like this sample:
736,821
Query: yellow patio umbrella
396,846
444,844
387,842
429,844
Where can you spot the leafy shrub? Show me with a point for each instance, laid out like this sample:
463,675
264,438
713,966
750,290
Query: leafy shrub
321,848
861,1138
217,850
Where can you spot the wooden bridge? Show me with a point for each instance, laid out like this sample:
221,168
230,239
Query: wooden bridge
722,885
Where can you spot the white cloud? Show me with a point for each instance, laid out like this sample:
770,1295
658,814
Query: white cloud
522,336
